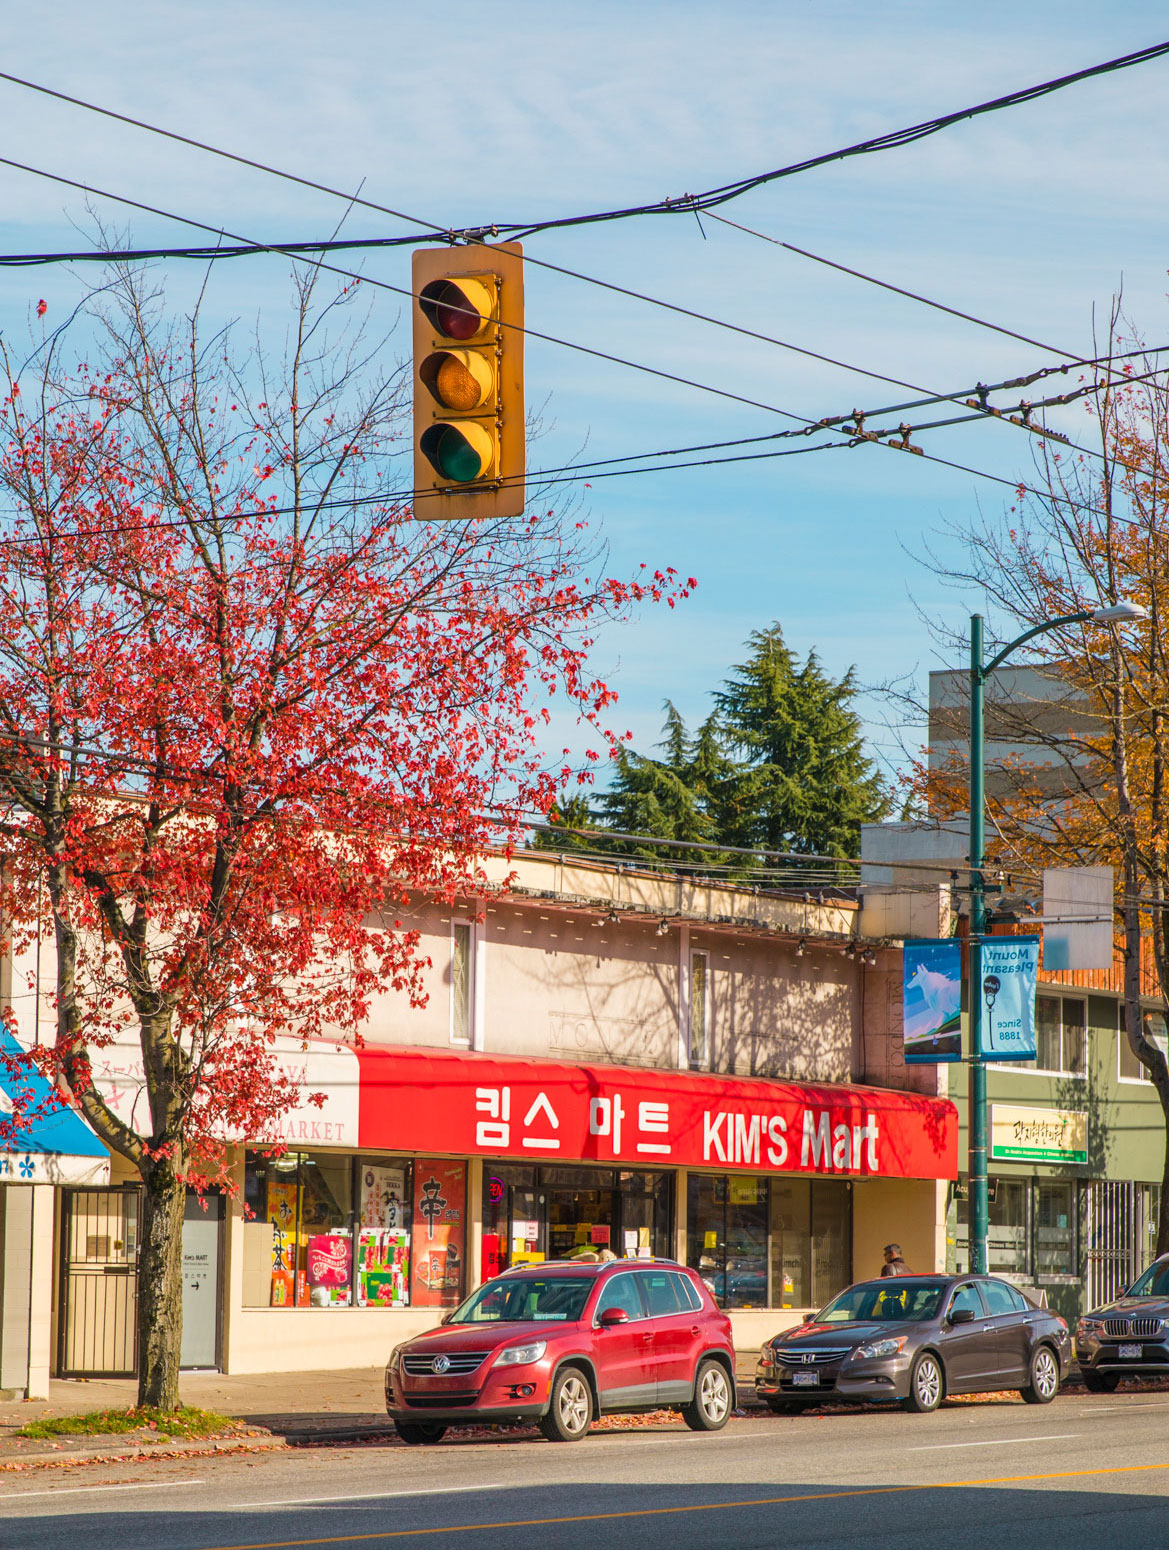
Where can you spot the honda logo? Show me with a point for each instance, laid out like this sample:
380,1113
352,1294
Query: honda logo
807,1357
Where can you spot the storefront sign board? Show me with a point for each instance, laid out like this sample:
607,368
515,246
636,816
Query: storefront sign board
547,1111
1038,1135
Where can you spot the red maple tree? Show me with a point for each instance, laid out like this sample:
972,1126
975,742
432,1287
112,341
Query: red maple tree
249,707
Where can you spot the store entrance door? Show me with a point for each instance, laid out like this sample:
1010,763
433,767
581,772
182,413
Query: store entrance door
202,1227
581,1219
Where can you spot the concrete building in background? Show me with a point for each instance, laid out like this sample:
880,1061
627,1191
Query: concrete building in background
611,1060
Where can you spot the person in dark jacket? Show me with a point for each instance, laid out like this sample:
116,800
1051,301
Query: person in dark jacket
894,1265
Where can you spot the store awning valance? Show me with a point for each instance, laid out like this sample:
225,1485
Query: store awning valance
421,1100
56,1146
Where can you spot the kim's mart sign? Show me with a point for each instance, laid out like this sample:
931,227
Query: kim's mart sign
421,1100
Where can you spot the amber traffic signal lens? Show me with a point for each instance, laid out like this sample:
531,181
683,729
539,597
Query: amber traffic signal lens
461,380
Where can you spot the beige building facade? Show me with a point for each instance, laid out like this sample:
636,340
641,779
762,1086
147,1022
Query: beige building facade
609,1061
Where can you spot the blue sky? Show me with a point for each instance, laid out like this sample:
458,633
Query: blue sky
471,113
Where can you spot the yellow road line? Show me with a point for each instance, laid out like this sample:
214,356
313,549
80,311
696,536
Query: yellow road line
661,1512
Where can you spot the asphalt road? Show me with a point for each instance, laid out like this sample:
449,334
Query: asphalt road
974,1474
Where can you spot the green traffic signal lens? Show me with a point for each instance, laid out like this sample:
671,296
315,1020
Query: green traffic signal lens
459,453
457,459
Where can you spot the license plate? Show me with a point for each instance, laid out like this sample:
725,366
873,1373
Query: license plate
805,1380
1129,1353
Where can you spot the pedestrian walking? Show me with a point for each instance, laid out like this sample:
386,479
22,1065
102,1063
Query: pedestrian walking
894,1265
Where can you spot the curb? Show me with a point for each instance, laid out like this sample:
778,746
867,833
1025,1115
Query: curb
98,1453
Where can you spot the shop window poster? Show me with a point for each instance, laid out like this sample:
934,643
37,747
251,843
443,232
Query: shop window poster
383,1197
439,1213
282,1214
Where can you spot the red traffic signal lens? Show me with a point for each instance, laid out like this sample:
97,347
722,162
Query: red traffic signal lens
457,309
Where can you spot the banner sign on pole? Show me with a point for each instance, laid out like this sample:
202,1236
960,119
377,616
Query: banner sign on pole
1010,970
931,1005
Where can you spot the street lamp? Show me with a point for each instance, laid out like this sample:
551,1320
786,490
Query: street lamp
980,671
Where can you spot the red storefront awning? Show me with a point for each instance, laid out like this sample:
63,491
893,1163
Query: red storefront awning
548,1111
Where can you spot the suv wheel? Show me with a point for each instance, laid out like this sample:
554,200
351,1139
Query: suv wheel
711,1405
570,1409
926,1384
416,1432
1100,1382
1044,1384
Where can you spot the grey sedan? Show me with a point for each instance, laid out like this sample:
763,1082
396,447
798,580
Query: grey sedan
916,1339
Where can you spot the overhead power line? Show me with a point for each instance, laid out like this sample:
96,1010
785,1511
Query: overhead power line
685,203
716,196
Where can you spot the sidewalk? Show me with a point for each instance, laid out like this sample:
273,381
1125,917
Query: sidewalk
278,1409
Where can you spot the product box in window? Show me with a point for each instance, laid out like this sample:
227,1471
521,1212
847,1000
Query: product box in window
383,1268
330,1269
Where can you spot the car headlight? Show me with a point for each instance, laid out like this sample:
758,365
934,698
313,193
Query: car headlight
395,1355
767,1352
879,1348
1088,1327
520,1355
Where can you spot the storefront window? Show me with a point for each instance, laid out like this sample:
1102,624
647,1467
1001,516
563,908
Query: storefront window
761,1242
511,1219
1007,1246
791,1243
831,1239
1055,1229
323,1231
325,1242
1010,1248
558,1212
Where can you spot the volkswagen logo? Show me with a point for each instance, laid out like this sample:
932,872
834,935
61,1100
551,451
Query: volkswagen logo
440,1363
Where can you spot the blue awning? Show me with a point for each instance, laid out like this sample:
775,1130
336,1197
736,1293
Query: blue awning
56,1146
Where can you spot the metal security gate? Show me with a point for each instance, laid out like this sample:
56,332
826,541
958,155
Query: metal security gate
1120,1235
97,1330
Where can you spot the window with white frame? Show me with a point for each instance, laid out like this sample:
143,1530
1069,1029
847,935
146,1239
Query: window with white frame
1128,1067
1061,1037
462,981
699,1011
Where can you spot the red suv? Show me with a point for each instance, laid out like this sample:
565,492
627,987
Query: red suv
561,1343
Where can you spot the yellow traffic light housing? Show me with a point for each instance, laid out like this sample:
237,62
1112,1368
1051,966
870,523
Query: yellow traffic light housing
469,430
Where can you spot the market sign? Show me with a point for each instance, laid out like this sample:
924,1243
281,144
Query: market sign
1038,1135
413,1100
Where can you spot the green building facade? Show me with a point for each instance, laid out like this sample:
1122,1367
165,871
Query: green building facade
1076,1147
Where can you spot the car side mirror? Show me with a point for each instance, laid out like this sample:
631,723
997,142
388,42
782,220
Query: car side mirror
808,1318
961,1316
613,1316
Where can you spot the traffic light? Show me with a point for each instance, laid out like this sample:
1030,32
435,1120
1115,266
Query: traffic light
469,430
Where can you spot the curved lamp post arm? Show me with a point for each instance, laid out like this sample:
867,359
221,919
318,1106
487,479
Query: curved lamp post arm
1040,629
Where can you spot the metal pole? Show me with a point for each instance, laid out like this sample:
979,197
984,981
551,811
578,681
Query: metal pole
976,1126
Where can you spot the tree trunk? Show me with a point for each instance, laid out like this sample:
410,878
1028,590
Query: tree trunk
160,1286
